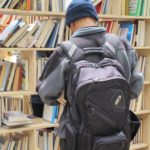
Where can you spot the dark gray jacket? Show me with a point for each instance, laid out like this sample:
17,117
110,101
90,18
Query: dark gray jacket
54,76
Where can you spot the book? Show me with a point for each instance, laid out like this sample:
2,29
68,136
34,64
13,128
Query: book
33,40
2,3
135,7
28,5
11,77
22,4
8,4
61,31
30,31
6,76
15,118
47,112
53,38
44,33
3,70
0,111
3,142
50,30
25,73
18,78
17,36
10,29
50,140
13,4
127,30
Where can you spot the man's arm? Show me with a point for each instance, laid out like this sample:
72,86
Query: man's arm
51,82
127,57
137,79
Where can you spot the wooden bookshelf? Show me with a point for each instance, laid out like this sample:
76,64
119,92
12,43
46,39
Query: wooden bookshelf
52,49
37,125
138,146
30,54
30,13
27,49
9,93
143,112
61,14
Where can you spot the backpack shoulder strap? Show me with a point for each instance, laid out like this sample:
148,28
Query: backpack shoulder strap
72,51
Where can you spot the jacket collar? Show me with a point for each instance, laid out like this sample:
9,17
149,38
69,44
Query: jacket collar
88,30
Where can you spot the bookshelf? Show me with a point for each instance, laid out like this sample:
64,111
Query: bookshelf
29,53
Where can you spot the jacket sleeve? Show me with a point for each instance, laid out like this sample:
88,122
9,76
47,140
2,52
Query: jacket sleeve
51,82
136,79
126,55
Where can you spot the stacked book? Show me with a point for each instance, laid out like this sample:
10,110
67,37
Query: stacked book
46,33
15,118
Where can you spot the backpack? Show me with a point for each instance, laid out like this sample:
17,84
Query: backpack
98,101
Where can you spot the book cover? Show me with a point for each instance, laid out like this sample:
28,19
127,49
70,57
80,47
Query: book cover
13,4
22,4
53,38
7,4
2,73
54,112
9,30
25,74
48,35
6,76
129,27
17,35
135,7
18,78
98,7
3,3
11,77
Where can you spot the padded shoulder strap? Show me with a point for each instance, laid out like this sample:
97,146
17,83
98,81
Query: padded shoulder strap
72,51
69,48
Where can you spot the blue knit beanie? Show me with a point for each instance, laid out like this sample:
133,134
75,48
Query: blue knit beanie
80,9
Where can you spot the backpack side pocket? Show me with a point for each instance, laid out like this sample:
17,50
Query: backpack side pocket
134,125
114,142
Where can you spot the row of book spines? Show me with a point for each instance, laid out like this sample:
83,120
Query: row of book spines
40,5
11,104
39,34
123,7
47,139
41,62
139,136
17,141
141,64
136,105
135,32
14,76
